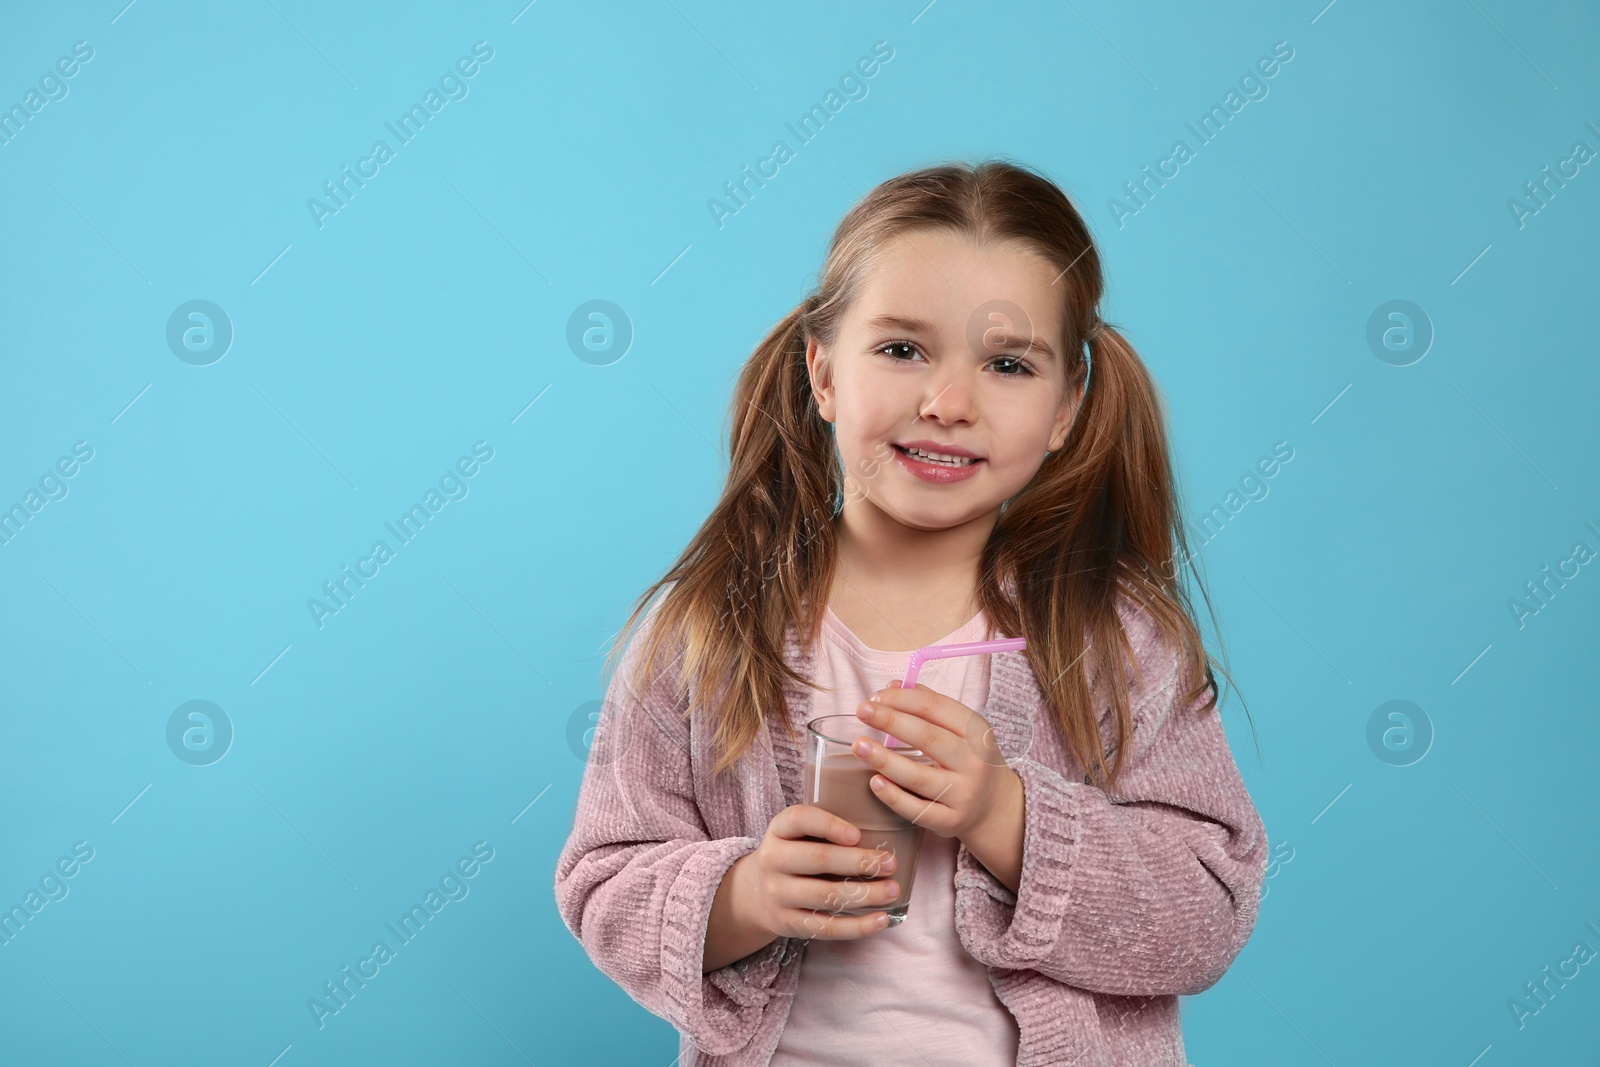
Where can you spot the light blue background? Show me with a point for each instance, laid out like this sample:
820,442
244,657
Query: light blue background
431,311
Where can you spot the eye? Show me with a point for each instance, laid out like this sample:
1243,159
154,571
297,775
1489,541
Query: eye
895,344
1022,369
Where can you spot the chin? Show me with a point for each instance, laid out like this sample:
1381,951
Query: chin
935,517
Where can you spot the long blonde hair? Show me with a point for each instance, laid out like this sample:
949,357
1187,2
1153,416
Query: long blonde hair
1099,518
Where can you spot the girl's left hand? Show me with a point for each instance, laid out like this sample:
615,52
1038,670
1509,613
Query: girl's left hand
968,788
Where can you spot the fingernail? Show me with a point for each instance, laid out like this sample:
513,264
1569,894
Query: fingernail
881,921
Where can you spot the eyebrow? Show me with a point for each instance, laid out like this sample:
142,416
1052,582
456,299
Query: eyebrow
915,325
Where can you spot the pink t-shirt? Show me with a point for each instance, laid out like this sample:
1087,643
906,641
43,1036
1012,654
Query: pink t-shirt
909,994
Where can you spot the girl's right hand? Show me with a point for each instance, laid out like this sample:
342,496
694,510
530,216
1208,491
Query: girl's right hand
780,893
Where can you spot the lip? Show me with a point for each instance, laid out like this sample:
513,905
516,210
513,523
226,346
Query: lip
942,449
933,472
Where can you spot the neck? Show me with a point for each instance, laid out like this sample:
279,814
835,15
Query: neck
877,552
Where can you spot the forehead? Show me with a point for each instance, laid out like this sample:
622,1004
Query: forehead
942,277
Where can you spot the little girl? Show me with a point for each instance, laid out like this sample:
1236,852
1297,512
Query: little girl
918,457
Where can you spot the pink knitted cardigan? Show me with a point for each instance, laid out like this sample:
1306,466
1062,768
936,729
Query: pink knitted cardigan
1124,903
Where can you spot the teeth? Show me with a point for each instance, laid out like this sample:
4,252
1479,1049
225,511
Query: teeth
934,457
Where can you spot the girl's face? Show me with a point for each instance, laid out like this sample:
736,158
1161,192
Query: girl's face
956,349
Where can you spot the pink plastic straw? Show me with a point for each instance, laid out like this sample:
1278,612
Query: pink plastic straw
968,648
965,648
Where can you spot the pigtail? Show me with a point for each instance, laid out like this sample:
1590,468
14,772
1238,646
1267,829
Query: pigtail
1099,523
762,558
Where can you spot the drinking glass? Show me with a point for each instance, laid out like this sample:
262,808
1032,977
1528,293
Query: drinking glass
837,781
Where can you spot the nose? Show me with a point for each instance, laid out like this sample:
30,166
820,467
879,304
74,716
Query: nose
950,395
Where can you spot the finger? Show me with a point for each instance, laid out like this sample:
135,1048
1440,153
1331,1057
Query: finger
928,704
824,927
926,812
837,898
915,774
807,820
849,898
946,713
910,724
821,857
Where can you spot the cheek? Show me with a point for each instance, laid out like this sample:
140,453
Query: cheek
865,414
851,431
1020,433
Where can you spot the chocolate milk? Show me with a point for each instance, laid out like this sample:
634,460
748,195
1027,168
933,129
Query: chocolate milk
843,788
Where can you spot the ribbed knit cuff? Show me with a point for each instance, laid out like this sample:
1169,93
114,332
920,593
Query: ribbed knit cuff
745,981
1017,931
717,1028
971,872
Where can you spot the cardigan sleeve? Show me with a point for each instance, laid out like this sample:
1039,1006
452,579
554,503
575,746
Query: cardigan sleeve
1150,893
636,877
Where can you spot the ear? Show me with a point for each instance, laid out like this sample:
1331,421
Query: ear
1065,413
820,367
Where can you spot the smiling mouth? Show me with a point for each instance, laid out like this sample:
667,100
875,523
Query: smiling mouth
937,459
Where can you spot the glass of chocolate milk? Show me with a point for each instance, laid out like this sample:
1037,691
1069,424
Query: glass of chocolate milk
836,781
